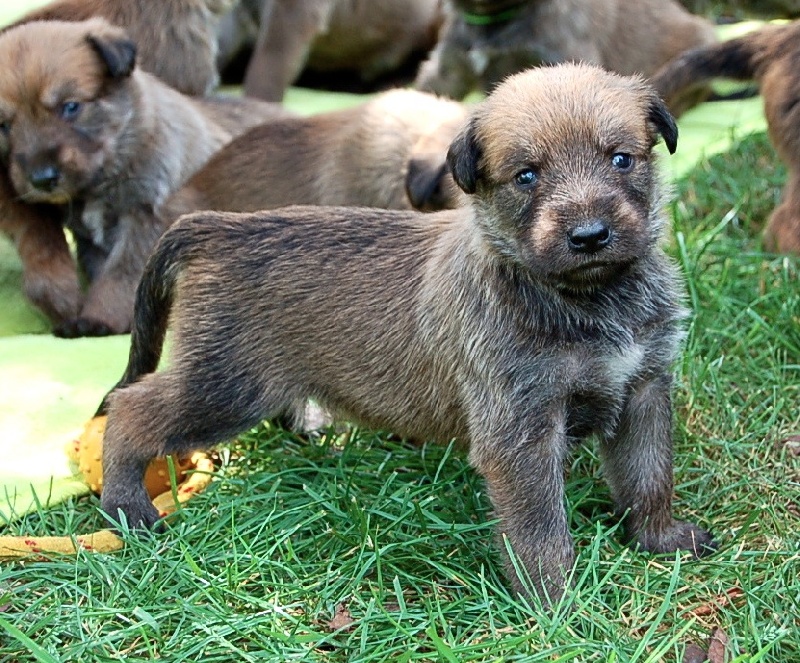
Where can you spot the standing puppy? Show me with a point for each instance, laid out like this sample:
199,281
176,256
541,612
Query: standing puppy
484,41
768,56
543,313
388,152
84,130
177,39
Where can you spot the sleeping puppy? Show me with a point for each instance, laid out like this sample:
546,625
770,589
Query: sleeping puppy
483,41
388,152
84,130
768,56
176,39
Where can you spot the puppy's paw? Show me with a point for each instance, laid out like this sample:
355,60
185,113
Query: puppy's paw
679,535
79,327
59,300
141,515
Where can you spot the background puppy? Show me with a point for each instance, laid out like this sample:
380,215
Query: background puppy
483,41
82,128
369,38
769,56
542,314
177,39
389,152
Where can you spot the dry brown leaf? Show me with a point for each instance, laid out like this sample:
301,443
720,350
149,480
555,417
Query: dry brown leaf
718,647
719,602
694,654
342,619
792,444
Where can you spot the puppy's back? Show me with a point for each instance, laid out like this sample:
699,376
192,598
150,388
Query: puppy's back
357,156
259,170
264,281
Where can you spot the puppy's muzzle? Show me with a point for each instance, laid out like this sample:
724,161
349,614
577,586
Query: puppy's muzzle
44,178
589,237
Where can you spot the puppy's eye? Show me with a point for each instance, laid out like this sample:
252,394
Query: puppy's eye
69,110
5,128
622,162
525,179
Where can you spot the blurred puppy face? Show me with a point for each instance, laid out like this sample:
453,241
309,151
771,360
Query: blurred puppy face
571,196
65,102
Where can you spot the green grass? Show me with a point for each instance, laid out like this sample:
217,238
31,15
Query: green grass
377,550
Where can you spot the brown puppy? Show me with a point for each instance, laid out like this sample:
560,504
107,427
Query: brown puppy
484,41
177,39
543,313
388,152
768,56
371,38
83,129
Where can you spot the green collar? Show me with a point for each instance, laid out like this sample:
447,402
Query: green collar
491,19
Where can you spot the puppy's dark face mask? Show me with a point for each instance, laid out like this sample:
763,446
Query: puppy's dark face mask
65,101
559,168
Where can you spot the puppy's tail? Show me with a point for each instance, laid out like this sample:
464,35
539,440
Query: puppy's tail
153,303
738,59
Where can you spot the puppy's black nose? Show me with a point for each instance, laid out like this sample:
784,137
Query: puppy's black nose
44,178
589,238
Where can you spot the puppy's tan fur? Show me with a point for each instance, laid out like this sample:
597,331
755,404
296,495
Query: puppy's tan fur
769,56
177,39
388,152
83,129
625,36
541,314
371,38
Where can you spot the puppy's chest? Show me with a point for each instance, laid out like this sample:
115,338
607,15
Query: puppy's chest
94,222
596,385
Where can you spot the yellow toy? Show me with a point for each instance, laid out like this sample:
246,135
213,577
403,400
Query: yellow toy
192,475
86,452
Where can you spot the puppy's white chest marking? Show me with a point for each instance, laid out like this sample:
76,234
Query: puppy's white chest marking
478,60
94,220
621,366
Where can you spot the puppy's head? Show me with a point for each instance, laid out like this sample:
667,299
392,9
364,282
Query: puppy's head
559,164
65,100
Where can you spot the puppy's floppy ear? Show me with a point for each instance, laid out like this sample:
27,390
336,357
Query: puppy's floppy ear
463,157
659,115
116,50
425,183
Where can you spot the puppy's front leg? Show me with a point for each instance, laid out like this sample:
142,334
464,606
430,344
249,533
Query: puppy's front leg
524,472
447,73
638,468
284,42
108,308
50,276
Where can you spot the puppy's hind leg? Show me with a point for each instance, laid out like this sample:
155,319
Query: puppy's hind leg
163,414
637,462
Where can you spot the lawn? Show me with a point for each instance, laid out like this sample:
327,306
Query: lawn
314,549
